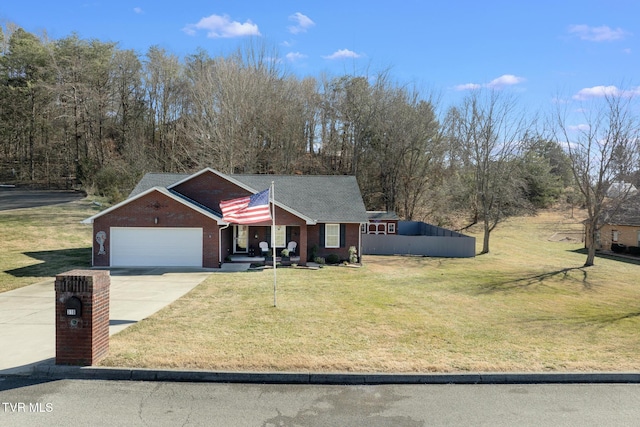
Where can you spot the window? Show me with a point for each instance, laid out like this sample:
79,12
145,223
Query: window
614,236
332,236
638,238
363,228
391,228
281,236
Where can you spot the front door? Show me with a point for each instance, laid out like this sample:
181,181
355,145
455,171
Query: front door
241,239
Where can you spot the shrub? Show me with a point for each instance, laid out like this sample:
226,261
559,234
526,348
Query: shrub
333,259
319,260
353,255
634,250
618,248
314,253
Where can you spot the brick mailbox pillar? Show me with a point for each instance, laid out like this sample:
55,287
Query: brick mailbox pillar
82,317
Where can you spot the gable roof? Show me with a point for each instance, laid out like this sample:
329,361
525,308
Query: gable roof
316,198
627,214
171,194
152,179
382,215
325,198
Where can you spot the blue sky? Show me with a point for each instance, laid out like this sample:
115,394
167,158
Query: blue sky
539,50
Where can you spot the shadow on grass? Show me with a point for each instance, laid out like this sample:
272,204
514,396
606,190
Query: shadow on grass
524,282
629,259
54,262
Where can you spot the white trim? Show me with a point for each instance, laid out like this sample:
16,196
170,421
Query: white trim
326,235
283,234
236,232
308,220
166,193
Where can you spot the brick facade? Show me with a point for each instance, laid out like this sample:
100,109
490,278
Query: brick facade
82,339
627,235
156,209
143,212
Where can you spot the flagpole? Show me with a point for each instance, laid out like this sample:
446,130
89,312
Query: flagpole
273,243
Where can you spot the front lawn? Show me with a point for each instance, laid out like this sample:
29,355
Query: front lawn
38,243
526,306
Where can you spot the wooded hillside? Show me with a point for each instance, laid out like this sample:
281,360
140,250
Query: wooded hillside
76,112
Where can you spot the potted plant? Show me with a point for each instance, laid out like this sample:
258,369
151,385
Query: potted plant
284,257
269,257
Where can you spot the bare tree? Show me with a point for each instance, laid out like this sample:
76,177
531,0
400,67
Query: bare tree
601,150
489,129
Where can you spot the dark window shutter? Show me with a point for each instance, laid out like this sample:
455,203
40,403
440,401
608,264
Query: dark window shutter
343,235
288,235
322,235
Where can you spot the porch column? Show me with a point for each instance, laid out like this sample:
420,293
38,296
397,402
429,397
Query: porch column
302,245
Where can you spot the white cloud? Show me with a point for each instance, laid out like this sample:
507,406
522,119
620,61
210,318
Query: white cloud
596,92
303,23
498,83
294,56
343,54
602,91
221,26
468,86
138,10
597,34
581,127
505,80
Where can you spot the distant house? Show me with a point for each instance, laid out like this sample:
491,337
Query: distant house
619,227
175,220
621,189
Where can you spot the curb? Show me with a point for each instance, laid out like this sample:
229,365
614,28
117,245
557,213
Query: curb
58,372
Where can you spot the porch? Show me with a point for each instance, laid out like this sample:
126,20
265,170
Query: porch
252,244
241,258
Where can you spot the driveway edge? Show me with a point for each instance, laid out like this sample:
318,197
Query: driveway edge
58,372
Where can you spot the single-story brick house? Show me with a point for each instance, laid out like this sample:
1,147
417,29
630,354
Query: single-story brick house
620,226
175,219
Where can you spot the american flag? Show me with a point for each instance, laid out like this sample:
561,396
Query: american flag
247,210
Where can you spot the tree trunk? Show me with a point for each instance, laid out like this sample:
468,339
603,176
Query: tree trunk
591,255
485,239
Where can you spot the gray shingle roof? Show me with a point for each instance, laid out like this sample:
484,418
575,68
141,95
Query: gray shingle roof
324,198
627,214
151,180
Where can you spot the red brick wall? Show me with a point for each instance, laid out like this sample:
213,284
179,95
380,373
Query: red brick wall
352,238
209,189
82,340
170,213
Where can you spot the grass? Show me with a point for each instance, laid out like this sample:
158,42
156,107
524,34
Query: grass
38,243
526,306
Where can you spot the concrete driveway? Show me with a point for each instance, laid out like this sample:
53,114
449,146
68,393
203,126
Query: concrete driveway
27,315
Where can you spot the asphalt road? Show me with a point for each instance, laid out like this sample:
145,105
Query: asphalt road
27,402
16,198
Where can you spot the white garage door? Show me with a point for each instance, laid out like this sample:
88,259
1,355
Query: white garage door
146,247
